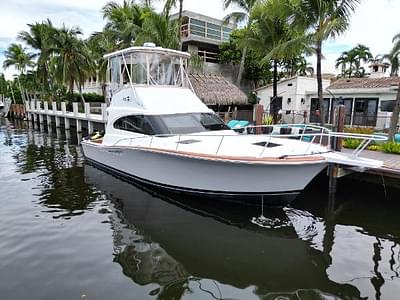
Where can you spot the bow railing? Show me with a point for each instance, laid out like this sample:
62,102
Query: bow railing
310,134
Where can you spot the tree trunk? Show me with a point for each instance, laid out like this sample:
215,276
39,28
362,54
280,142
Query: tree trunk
275,89
180,23
275,80
395,117
81,95
21,90
241,67
319,83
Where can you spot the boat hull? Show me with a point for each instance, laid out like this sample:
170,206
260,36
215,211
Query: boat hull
277,184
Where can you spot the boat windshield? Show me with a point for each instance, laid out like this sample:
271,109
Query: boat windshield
147,69
171,124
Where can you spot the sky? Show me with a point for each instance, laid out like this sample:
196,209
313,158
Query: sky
374,24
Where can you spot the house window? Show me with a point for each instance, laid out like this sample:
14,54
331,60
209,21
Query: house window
197,27
213,31
387,105
365,111
134,123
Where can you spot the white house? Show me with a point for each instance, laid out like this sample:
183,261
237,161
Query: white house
293,99
369,101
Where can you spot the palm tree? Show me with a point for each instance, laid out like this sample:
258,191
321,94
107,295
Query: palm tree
323,19
39,37
362,54
157,28
124,21
394,54
169,4
270,33
342,62
99,44
303,67
72,62
240,17
394,59
16,55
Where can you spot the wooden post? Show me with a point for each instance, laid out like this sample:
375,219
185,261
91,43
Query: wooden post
336,145
258,116
340,115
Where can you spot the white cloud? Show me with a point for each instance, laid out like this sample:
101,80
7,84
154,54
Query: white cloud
374,23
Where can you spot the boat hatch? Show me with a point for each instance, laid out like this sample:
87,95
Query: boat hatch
186,142
266,144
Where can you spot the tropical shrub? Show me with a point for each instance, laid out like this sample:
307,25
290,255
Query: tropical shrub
375,147
359,130
268,120
351,143
391,147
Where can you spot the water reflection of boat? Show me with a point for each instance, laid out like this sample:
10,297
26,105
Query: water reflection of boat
193,239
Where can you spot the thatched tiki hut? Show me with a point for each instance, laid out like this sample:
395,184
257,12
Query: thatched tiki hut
222,96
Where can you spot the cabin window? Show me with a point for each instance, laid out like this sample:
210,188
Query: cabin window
192,123
171,124
135,123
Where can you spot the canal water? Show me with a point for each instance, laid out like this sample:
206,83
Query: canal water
71,231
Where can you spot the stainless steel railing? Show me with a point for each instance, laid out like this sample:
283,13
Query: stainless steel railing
366,139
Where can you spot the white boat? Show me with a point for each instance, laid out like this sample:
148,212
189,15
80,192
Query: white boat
4,106
160,133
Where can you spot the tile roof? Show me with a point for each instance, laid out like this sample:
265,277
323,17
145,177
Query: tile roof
365,83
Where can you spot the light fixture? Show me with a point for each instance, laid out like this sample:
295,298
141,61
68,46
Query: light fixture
303,101
289,100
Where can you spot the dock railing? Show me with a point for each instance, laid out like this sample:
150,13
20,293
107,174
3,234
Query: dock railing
60,110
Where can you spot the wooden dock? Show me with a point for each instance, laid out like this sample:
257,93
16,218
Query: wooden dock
39,111
391,163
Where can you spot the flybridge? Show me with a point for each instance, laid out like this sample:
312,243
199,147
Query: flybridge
147,66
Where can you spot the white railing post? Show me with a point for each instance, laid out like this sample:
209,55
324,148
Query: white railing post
63,108
54,107
46,107
87,111
37,102
75,109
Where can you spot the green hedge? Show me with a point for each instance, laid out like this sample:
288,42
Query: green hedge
89,97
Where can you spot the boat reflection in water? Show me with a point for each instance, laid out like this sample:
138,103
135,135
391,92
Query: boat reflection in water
179,243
